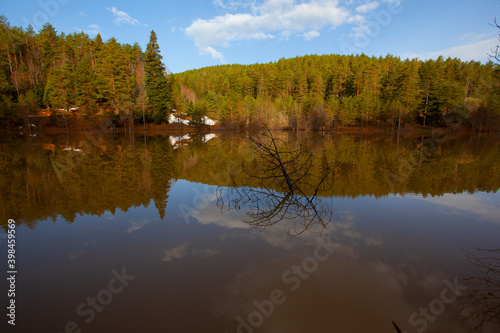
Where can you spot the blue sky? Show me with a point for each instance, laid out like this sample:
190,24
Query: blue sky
199,33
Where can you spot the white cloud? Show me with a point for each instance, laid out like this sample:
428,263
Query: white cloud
397,2
272,18
234,4
310,35
122,17
208,50
475,37
477,51
367,7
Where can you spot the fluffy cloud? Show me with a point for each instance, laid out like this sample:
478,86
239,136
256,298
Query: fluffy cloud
208,50
122,17
368,7
310,35
283,18
477,51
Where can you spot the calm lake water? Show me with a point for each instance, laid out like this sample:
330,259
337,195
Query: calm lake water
186,234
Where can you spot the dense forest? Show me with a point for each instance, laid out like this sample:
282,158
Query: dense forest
320,92
75,76
51,78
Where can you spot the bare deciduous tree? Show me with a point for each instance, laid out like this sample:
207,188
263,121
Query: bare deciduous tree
496,51
287,190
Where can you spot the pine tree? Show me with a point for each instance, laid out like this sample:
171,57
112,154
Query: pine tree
156,81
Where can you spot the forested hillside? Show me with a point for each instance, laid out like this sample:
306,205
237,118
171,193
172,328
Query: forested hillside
75,75
51,78
332,90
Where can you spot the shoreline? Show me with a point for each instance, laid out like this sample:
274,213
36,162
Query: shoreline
175,129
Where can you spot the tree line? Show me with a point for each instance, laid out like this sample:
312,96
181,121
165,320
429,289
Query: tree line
62,73
321,92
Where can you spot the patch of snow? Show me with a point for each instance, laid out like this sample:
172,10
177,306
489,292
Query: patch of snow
172,119
208,121
78,150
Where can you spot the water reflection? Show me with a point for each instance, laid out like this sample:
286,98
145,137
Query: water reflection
60,176
285,191
479,307
121,202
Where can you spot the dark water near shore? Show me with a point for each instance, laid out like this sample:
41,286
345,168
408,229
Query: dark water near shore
139,234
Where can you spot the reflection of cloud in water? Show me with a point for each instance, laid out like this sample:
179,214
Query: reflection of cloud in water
354,290
205,253
75,255
373,282
341,295
79,253
345,224
108,215
181,251
136,225
177,252
211,214
273,235
345,294
486,207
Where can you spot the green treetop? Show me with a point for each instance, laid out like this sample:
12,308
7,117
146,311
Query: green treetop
156,81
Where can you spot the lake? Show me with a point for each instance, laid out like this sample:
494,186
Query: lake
200,233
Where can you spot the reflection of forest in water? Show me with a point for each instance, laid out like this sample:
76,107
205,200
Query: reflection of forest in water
56,175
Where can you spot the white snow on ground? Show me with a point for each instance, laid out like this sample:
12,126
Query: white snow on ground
176,120
173,119
208,121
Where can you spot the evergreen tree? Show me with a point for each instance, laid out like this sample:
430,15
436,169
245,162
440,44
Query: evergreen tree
156,81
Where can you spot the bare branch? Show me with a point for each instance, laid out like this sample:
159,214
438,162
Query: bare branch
480,303
287,168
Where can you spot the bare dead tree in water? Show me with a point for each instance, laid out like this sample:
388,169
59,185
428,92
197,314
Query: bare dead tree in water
287,192
480,302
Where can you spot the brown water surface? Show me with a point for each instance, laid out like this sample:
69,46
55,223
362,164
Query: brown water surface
143,234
